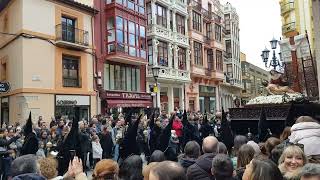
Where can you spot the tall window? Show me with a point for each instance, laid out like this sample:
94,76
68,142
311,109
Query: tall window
182,58
219,60
70,66
150,52
3,71
161,14
180,20
163,53
125,78
149,13
218,32
210,59
228,48
208,30
68,29
197,47
196,21
229,70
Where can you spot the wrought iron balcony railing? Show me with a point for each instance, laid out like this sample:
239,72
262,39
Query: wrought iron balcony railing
72,35
289,27
287,7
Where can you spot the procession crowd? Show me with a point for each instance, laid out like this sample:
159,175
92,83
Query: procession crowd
178,146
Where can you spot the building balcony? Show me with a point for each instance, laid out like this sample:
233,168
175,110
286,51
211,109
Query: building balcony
287,8
181,6
290,27
71,37
170,74
196,5
119,53
182,39
160,31
206,14
207,40
217,75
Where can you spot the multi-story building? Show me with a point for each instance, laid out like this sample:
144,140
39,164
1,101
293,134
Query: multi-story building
231,87
168,49
297,19
252,78
121,43
316,25
207,47
46,56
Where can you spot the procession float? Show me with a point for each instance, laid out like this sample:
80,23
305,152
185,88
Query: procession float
270,114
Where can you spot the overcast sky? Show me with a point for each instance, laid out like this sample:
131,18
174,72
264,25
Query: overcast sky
260,20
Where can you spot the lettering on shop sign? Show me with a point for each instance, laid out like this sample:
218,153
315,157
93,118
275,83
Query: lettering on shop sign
4,87
127,95
66,102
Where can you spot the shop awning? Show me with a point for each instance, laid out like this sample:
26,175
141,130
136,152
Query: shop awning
128,103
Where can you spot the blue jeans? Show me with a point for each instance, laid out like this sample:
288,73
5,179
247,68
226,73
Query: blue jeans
116,153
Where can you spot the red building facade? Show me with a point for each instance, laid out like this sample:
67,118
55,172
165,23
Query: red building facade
120,36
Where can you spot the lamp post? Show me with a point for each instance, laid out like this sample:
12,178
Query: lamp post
274,62
155,73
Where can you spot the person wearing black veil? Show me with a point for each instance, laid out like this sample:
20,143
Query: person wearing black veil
164,138
129,145
70,146
31,143
226,132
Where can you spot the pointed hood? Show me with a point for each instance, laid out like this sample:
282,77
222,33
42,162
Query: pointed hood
262,126
226,132
28,127
72,140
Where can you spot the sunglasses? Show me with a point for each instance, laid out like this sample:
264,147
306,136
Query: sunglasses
301,146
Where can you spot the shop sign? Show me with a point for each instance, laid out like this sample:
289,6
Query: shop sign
66,100
127,95
4,87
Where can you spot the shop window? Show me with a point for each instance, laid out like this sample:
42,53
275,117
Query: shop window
191,105
196,21
70,75
68,29
180,20
161,14
197,47
163,53
125,78
182,58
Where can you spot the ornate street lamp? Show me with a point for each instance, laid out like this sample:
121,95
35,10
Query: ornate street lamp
155,73
274,62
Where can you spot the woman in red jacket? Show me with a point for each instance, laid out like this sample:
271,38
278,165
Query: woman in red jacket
178,127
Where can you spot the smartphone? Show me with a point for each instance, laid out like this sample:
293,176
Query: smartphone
72,154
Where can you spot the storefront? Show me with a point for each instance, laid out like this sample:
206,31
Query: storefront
4,110
207,98
65,106
122,101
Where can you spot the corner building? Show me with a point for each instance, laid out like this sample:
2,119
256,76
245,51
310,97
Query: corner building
168,48
46,56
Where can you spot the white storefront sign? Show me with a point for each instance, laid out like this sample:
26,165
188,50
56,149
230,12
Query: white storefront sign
69,100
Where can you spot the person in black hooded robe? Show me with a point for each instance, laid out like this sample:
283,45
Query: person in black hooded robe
31,143
70,144
129,145
190,131
226,132
155,131
205,129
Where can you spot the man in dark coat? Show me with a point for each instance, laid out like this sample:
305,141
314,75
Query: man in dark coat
201,169
106,143
31,143
85,144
